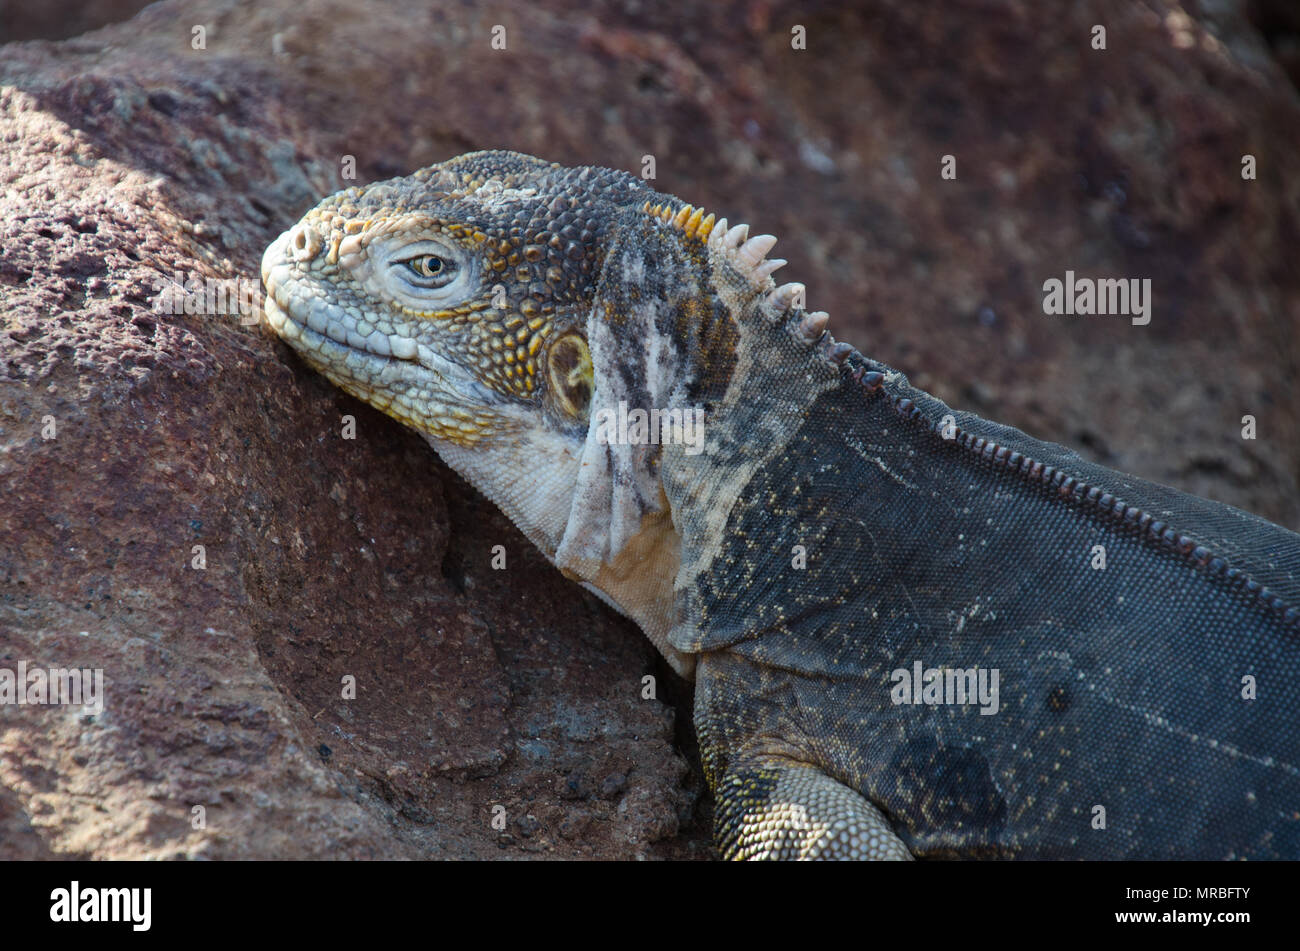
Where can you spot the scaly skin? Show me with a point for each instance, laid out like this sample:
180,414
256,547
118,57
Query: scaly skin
839,526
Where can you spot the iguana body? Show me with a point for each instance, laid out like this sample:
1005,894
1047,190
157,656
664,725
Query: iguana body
839,529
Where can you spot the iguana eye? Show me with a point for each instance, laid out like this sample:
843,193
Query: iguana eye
427,275
430,269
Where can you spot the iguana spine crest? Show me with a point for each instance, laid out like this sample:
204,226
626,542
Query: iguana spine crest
1067,487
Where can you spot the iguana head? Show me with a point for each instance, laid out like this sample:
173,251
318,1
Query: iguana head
498,304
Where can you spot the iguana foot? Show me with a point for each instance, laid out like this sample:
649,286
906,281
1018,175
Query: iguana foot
777,808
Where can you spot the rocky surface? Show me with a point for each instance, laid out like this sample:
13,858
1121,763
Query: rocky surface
128,156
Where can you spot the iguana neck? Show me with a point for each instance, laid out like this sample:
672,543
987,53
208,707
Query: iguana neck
687,320
778,377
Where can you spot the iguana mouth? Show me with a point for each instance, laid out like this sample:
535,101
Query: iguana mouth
287,321
395,372
328,335
312,322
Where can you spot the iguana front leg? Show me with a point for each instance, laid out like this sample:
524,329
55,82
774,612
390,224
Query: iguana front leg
774,807
773,799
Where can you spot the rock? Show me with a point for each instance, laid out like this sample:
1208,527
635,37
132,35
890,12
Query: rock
179,506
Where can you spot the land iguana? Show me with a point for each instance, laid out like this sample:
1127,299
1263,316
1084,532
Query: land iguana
843,559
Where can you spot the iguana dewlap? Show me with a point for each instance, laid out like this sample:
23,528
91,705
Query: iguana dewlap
836,536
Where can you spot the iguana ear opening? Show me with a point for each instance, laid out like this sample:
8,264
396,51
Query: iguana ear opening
570,377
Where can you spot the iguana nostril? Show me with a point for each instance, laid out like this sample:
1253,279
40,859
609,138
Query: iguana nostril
305,242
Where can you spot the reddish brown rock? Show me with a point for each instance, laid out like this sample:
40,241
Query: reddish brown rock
128,155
